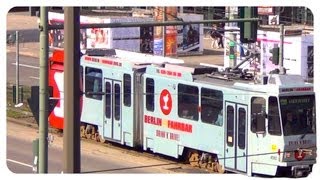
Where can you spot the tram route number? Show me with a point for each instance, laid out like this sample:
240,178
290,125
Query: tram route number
167,135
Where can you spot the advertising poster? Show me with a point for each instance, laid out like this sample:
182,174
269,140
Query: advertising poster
146,40
273,20
171,32
189,39
129,38
265,10
157,35
97,38
170,35
56,37
157,46
171,41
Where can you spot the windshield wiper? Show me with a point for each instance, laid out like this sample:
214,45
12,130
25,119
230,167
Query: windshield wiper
303,135
308,131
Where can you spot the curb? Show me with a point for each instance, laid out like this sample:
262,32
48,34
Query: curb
24,53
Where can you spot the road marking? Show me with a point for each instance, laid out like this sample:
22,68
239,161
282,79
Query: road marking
32,77
20,163
25,65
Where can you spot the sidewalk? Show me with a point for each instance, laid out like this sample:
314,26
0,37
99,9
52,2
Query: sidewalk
28,29
28,33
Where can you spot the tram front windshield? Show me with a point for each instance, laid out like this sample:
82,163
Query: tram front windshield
298,114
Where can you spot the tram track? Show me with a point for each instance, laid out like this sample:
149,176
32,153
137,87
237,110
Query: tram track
174,165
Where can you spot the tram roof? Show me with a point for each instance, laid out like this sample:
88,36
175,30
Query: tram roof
272,83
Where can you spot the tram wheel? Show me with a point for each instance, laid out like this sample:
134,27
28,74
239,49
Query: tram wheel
101,139
194,159
88,132
82,131
218,168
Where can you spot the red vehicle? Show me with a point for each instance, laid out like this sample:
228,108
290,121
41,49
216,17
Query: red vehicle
56,82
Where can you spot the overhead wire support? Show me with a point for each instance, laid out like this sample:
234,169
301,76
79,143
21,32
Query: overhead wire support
146,24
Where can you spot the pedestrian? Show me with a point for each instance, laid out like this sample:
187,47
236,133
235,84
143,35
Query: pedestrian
214,38
220,31
190,35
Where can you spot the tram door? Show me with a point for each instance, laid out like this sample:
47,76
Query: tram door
112,112
236,137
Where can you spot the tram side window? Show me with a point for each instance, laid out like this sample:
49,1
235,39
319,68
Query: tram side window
127,90
242,128
274,127
117,100
81,78
150,94
258,109
211,106
230,126
188,102
93,83
108,99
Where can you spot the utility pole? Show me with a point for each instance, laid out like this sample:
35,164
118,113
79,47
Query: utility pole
71,134
305,16
233,39
281,68
181,9
17,67
164,30
233,50
43,92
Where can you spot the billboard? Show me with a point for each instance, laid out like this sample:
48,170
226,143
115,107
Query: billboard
97,37
56,36
130,38
170,32
265,10
189,37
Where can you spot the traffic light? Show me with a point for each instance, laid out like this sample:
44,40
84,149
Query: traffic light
248,30
232,46
275,55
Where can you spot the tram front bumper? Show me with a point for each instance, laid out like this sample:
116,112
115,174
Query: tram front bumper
300,171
